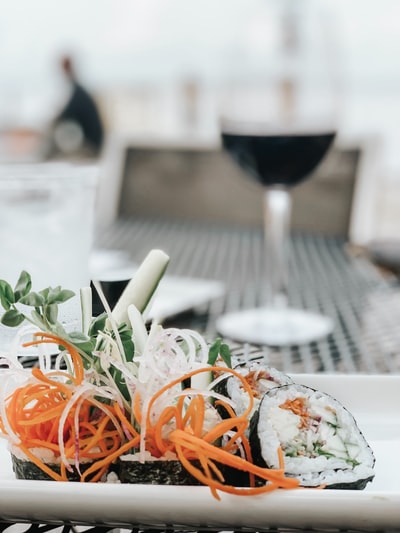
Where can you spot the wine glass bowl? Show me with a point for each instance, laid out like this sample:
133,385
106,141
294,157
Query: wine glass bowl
283,157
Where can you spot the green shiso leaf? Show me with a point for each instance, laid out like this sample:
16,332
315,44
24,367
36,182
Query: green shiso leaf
225,353
213,352
219,349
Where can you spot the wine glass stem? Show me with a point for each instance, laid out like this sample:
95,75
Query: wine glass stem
277,213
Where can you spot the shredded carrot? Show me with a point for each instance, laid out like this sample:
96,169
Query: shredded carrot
281,458
49,338
181,428
89,432
214,484
181,379
298,407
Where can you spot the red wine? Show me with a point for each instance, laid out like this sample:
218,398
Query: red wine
277,159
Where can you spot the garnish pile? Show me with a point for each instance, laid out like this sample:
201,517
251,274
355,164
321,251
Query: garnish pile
118,388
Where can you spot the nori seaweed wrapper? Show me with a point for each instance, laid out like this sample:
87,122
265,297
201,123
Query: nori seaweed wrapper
172,472
157,472
25,469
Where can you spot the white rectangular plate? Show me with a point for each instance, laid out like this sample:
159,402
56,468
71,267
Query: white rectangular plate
373,400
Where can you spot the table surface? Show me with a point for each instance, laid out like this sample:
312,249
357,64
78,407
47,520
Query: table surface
363,302
324,276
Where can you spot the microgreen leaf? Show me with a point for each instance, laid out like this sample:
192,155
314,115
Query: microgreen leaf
38,320
58,295
52,294
81,341
98,324
77,336
12,318
23,286
6,294
119,380
58,329
125,334
45,293
33,299
51,313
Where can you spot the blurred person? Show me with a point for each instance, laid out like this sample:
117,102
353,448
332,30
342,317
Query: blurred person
78,128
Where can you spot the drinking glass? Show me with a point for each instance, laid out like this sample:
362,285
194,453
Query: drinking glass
46,228
278,131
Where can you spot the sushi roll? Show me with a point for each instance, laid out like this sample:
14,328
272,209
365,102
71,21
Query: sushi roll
24,468
162,466
166,470
319,438
261,379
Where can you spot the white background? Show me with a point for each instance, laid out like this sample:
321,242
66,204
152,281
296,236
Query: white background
136,54
123,42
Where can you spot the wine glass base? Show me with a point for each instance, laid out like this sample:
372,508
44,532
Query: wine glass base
274,327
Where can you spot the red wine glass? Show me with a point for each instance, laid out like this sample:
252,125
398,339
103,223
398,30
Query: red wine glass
279,135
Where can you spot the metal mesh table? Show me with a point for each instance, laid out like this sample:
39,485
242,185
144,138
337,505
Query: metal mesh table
71,528
364,303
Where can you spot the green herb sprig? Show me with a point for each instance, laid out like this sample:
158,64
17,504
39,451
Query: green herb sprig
44,315
219,349
45,303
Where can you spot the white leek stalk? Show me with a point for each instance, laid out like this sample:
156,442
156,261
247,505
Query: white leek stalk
86,308
139,331
142,286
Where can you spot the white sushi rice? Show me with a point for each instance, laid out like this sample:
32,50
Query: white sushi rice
45,455
261,378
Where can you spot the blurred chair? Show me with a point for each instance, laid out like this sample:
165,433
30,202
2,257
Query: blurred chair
196,180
